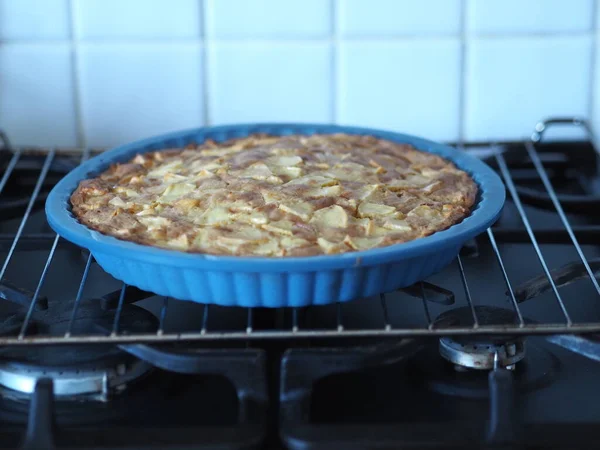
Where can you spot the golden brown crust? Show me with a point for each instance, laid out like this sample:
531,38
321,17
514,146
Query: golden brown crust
277,196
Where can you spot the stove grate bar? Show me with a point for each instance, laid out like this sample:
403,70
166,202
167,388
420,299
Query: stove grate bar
535,159
511,291
517,201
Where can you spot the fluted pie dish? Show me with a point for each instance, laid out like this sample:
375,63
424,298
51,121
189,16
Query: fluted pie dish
275,214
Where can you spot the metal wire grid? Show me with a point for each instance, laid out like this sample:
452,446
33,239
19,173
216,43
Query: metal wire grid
521,327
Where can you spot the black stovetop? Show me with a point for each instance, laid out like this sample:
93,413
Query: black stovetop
328,394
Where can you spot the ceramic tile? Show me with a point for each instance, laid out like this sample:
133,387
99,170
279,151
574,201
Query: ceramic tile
412,87
137,19
36,102
134,91
268,18
531,16
513,83
270,82
33,19
359,18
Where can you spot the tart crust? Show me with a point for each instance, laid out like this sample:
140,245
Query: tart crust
277,196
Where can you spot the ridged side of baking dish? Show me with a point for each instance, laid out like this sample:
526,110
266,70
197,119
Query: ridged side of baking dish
274,282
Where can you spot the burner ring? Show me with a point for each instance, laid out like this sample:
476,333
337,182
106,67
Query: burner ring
99,380
91,370
482,355
538,369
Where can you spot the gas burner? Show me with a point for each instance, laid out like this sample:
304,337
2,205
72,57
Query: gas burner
536,370
93,370
482,355
480,352
97,381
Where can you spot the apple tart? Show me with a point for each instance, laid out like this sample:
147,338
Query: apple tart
277,196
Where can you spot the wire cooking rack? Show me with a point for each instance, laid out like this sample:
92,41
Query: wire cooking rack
521,326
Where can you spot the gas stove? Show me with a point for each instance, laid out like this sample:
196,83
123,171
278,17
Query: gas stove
498,350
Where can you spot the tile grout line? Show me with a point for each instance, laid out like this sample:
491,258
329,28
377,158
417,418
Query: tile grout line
80,137
205,69
592,110
283,40
462,89
334,77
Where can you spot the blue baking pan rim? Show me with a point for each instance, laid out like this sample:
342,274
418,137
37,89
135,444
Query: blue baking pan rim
490,200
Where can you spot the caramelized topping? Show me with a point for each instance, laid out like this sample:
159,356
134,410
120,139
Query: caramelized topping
277,196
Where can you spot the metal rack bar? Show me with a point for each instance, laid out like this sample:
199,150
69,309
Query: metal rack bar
587,235
84,157
513,299
117,320
515,196
306,332
511,329
339,317
44,273
162,316
463,278
295,326
204,328
79,296
9,169
386,320
36,192
250,321
36,294
535,159
426,307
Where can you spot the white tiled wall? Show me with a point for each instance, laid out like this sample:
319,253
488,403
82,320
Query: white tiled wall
104,72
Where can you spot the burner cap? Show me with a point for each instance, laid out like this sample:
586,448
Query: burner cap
75,369
481,355
480,352
99,380
538,369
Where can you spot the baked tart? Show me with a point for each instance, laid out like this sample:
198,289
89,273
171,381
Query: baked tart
277,196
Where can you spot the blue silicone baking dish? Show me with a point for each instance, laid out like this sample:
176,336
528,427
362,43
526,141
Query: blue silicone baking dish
273,282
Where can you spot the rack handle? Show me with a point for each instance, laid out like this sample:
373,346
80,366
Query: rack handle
542,126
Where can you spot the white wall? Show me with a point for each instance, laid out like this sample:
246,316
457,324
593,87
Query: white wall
103,72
